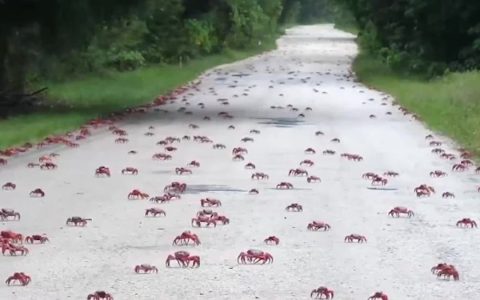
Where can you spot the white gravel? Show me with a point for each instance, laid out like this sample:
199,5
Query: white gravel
399,253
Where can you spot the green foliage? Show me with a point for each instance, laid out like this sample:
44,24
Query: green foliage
422,36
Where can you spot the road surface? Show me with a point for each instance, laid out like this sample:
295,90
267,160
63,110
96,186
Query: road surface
311,68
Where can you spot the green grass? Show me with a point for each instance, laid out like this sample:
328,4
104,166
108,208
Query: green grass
86,98
449,105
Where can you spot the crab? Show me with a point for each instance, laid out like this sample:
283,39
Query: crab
466,222
209,202
255,131
391,174
260,176
199,220
272,240
155,212
435,143
7,213
175,187
13,250
48,166
247,139
119,132
448,195
37,193
170,149
184,238
193,126
335,140
22,278
9,186
181,171
322,291
77,221
238,157
145,268
137,194
11,236
183,258
102,171
130,171
253,256
253,192
194,163
397,211
424,190
100,295
161,156
32,165
239,150
3,162
317,133
284,185
318,225
328,152
446,271
438,173
231,127
312,178
250,166
307,162
429,137
459,167
447,156
355,237
438,151
121,141
467,162
219,146
310,151
379,181
369,175
378,295
297,172
31,239
295,207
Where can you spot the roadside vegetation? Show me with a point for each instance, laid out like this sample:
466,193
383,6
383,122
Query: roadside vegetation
427,55
98,57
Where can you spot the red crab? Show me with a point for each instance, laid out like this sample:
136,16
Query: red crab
31,239
184,238
424,190
130,171
438,151
390,174
145,268
170,149
260,176
219,146
162,156
312,178
397,211
294,207
254,257
448,195
310,151
102,171
239,150
247,139
328,152
335,140
378,295
322,291
48,166
379,181
137,194
238,157
318,225
467,222
155,212
272,240
181,171
3,162
37,193
250,166
121,141
12,236
198,221
253,192
13,250
208,202
194,163
317,133
297,172
446,271
284,185
7,213
459,167
369,175
355,237
438,173
307,162
77,221
100,295
175,187
9,186
22,278
183,258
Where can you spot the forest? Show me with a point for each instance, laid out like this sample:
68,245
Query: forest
58,39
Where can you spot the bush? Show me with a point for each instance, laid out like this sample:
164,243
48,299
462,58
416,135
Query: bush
126,60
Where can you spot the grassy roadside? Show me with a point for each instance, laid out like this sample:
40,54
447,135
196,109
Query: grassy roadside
449,105
95,96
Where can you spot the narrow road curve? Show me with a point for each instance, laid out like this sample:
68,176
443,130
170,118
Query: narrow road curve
311,69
